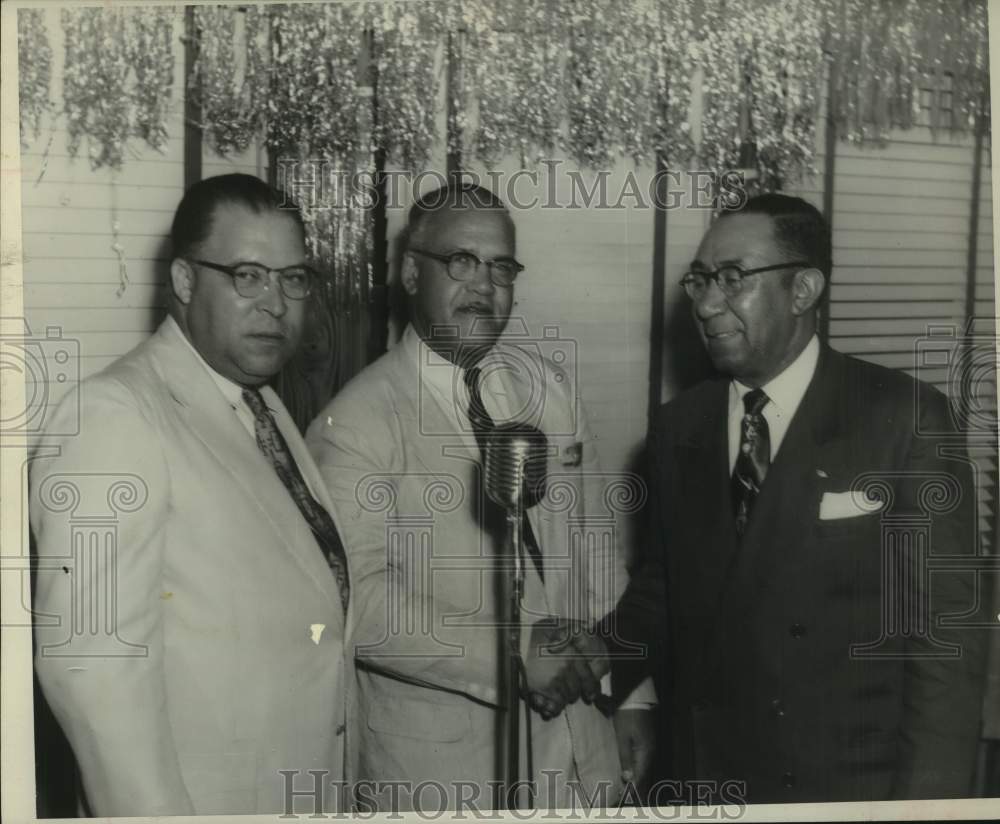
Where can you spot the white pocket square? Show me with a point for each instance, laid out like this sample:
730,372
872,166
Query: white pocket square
838,505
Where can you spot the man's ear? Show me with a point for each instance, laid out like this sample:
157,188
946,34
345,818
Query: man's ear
807,289
409,274
182,280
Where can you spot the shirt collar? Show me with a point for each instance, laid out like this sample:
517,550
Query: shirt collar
442,376
786,390
231,391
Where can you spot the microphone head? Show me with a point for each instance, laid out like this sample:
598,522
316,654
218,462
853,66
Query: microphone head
515,465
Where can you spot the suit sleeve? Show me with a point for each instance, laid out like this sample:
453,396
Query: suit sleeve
99,631
942,696
636,629
350,448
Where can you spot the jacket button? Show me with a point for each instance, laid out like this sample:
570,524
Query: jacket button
788,780
778,708
797,630
701,704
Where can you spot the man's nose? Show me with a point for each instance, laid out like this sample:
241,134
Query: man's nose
481,282
272,300
710,302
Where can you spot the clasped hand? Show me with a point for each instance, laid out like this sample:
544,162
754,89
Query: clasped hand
565,662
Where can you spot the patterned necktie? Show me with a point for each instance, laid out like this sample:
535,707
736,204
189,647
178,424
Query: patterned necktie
483,426
753,458
275,448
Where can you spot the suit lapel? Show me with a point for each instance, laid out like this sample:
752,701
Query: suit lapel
788,502
210,418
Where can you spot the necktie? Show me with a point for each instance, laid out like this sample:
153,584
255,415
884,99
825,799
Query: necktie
275,448
753,458
483,426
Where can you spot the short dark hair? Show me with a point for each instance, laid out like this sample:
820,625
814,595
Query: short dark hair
457,194
799,228
194,216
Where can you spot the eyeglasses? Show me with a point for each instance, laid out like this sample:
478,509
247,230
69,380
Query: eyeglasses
729,278
252,279
462,266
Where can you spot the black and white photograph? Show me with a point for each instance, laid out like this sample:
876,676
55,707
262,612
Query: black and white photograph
504,409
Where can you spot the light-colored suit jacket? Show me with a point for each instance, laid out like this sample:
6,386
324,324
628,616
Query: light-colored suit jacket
190,635
402,464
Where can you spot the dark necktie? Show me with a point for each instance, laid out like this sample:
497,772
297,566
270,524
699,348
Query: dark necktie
275,448
483,426
753,458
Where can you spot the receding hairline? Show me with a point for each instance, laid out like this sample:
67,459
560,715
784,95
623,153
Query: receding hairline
423,221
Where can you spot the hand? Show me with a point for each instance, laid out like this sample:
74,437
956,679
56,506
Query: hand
635,730
564,662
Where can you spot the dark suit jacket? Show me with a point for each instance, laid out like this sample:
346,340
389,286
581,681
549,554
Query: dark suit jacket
770,682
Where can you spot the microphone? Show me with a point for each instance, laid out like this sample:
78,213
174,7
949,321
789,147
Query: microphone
515,465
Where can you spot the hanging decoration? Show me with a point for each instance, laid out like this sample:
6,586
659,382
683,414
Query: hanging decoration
785,74
763,71
878,67
602,78
117,79
404,42
608,110
519,75
34,62
967,54
676,46
230,75
152,59
95,83
312,101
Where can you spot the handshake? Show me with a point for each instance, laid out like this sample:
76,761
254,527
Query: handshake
565,662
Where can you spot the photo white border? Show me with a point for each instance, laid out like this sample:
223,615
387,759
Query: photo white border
17,760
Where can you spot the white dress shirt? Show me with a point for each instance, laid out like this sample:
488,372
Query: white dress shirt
785,393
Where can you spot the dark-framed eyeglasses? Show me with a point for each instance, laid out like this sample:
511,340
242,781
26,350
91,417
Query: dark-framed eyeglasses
462,266
729,278
251,280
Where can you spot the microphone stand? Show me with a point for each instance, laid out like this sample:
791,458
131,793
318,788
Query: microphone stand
511,593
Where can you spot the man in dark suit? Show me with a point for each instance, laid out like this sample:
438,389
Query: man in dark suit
796,501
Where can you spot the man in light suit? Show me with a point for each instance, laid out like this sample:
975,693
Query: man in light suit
797,504
400,449
192,592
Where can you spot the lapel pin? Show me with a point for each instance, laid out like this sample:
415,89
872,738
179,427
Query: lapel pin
821,473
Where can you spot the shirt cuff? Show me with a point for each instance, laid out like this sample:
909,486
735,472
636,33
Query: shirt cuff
643,697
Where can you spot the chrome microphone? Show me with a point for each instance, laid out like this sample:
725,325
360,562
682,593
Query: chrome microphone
515,465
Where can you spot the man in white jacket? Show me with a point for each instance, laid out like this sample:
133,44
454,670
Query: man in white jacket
401,449
192,590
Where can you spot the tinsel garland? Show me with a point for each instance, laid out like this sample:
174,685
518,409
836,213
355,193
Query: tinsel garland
610,64
515,48
34,62
95,83
763,72
312,101
629,80
152,58
676,43
404,41
785,71
230,77
117,79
